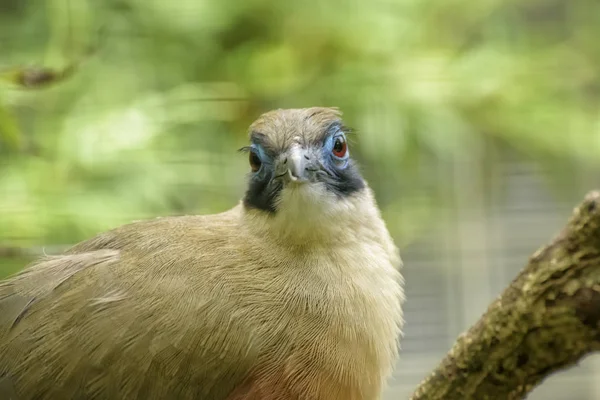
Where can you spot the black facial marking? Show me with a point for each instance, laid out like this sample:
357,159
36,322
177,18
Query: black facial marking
340,177
343,182
263,192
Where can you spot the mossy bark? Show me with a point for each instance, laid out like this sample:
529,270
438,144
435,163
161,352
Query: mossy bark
545,321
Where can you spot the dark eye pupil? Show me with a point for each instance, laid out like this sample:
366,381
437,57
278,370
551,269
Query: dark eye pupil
338,147
254,162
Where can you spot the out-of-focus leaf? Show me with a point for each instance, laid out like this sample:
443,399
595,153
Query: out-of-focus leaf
10,134
108,137
150,121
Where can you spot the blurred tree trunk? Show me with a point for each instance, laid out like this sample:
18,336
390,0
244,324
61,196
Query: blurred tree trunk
545,321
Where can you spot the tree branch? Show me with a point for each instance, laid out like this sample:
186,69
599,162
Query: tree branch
545,321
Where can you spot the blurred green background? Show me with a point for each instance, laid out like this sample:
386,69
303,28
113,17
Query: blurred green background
119,110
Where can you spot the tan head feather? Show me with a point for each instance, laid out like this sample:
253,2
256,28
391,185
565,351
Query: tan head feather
279,129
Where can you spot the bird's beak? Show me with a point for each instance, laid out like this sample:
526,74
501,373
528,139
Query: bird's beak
296,165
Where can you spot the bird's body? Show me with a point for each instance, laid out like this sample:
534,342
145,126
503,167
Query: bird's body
296,295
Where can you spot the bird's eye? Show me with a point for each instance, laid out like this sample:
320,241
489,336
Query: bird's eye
340,147
255,162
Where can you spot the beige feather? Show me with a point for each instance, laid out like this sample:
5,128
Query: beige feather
304,304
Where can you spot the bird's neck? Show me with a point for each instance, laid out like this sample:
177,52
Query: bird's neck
299,224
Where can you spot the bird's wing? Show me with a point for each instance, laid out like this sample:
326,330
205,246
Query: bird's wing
72,327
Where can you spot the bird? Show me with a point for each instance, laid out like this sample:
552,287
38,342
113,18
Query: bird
296,292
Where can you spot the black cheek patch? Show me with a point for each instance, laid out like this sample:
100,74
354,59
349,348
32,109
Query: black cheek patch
344,182
262,193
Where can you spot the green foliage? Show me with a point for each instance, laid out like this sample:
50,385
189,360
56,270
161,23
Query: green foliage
11,265
125,109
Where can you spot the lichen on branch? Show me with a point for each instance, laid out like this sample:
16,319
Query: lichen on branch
546,320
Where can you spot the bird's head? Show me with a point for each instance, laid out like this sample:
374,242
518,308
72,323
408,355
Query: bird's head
303,183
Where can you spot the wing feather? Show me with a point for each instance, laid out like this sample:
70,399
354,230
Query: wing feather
105,324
